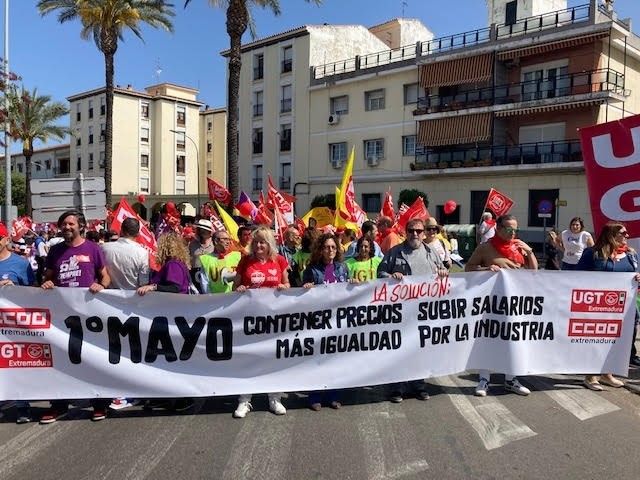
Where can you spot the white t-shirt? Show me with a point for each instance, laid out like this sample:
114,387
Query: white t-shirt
574,244
486,232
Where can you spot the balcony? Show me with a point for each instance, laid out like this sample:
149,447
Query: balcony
285,105
538,23
285,183
257,110
256,184
594,81
489,156
258,73
285,144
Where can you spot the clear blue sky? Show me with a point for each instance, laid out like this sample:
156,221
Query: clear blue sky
53,58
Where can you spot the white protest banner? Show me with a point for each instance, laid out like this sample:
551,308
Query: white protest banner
69,343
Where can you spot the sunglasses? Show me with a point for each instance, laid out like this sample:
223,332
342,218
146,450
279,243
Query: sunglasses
510,230
431,229
417,231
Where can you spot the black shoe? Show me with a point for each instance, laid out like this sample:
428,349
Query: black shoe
422,395
635,361
24,415
396,397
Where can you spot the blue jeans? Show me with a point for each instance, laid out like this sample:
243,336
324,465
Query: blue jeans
329,396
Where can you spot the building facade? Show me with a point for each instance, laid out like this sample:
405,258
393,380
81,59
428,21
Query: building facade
453,116
46,162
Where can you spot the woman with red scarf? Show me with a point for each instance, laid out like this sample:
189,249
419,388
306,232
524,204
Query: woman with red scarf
610,254
503,250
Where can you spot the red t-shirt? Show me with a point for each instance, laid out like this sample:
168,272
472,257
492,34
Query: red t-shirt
256,274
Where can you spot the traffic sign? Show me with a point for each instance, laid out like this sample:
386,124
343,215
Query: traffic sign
561,203
53,196
545,206
544,215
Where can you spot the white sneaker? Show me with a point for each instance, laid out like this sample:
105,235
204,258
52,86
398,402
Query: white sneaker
482,388
275,405
516,387
242,410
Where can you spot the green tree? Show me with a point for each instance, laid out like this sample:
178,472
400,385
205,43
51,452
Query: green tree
33,117
238,20
408,196
328,200
18,195
106,21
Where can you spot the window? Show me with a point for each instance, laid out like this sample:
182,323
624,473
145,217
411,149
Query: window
181,117
78,141
285,176
79,163
209,147
410,93
20,168
258,66
103,132
371,202
285,104
102,161
64,166
257,141
180,140
38,166
478,201
103,106
144,160
144,135
90,108
90,135
47,164
374,150
144,185
256,182
539,201
337,153
339,105
180,187
90,166
144,110
181,162
409,145
285,137
546,81
287,59
257,104
511,13
209,126
78,112
374,100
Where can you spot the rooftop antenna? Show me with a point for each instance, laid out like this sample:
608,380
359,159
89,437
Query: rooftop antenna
158,71
404,4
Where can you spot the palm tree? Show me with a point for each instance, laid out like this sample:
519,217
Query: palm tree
106,21
238,20
33,117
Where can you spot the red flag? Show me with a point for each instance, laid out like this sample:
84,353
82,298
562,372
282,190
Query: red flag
246,207
144,238
218,192
387,206
300,225
263,216
21,226
218,226
610,153
498,203
283,200
280,225
416,210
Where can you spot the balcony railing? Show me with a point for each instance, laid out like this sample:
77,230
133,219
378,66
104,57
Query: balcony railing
256,184
257,110
285,144
581,13
258,73
486,156
285,183
285,105
537,23
604,80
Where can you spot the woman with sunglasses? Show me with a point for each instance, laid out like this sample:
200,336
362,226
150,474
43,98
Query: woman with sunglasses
435,242
325,267
364,266
572,242
610,253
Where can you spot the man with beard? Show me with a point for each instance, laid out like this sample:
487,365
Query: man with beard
220,266
79,263
411,257
503,250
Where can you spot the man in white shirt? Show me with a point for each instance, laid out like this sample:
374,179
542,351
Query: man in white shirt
127,261
487,228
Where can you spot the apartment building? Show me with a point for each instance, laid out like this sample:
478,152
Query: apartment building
276,114
213,144
452,116
46,162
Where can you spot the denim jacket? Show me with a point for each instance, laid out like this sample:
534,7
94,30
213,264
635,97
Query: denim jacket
315,273
395,261
589,261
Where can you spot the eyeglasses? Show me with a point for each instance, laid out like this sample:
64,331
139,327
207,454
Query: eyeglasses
510,230
416,231
329,247
431,229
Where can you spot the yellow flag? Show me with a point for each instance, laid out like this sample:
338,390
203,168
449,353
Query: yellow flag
229,223
342,211
323,216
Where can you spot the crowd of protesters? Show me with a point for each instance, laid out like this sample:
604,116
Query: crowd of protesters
212,262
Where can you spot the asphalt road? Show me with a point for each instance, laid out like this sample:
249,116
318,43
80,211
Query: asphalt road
561,431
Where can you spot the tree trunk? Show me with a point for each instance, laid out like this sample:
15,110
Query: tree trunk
108,134
27,157
237,22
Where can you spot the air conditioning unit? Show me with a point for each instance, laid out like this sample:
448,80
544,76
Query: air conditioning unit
336,163
334,119
372,161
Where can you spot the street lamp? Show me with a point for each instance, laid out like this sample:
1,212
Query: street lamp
197,162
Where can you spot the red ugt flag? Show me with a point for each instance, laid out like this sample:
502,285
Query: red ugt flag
387,206
416,210
498,203
218,192
20,227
